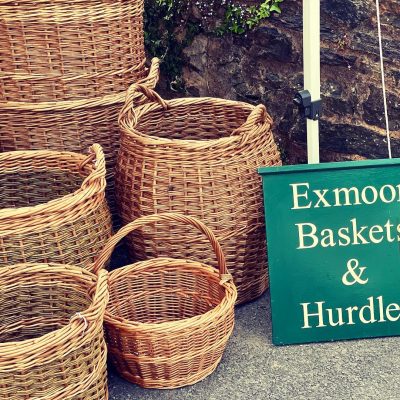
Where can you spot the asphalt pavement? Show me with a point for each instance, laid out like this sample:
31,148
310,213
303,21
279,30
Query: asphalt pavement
254,369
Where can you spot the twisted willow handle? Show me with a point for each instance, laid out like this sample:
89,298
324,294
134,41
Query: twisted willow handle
258,116
139,94
100,300
98,174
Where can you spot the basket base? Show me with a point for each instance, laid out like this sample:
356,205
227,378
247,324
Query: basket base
173,383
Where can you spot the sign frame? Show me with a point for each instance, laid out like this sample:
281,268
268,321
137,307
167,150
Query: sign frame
284,250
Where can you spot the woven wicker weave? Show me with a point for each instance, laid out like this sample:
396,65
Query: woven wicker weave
53,50
52,207
198,157
68,125
168,320
51,333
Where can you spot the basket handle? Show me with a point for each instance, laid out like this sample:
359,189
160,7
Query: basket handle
152,78
100,300
96,155
147,96
171,217
258,116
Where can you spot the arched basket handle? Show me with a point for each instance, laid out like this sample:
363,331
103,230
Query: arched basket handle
167,217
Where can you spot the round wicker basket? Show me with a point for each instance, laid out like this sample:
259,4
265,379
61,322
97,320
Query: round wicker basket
198,157
52,50
52,207
69,125
168,320
51,333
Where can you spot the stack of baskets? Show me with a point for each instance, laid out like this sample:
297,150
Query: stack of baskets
64,70
65,67
53,212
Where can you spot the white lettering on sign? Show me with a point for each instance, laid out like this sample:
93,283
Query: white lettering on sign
316,315
304,197
297,196
346,197
352,234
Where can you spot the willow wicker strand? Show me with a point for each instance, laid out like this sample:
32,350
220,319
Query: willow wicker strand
57,50
168,320
51,333
199,157
53,207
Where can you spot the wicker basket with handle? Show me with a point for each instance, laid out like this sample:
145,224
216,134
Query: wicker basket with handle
68,125
168,320
198,157
53,50
51,333
52,207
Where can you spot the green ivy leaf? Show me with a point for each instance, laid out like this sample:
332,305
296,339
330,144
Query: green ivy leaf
276,8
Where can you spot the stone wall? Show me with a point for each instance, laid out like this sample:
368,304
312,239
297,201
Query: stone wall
265,65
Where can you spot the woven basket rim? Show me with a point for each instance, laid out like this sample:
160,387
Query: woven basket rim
128,125
221,308
18,76
68,105
64,105
97,174
27,348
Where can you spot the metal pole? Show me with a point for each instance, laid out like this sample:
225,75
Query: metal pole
312,83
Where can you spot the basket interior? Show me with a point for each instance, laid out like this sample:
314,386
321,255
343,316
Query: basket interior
165,294
30,310
23,186
206,121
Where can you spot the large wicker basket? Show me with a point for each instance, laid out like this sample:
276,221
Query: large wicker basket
52,50
68,125
52,207
198,157
51,333
168,320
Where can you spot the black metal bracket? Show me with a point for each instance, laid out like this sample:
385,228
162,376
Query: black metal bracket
308,108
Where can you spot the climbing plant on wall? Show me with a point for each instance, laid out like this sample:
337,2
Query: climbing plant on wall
170,25
241,18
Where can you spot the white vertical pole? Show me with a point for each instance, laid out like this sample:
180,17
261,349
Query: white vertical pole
311,54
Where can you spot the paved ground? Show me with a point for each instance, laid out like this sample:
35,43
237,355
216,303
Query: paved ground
253,369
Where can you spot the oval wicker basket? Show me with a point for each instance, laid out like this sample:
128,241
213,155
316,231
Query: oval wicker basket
52,207
198,157
53,50
168,320
51,333
69,125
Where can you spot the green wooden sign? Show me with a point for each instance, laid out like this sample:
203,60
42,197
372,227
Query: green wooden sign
333,233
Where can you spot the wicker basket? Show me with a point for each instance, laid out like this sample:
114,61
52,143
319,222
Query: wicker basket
52,207
68,125
198,157
52,50
51,333
168,320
